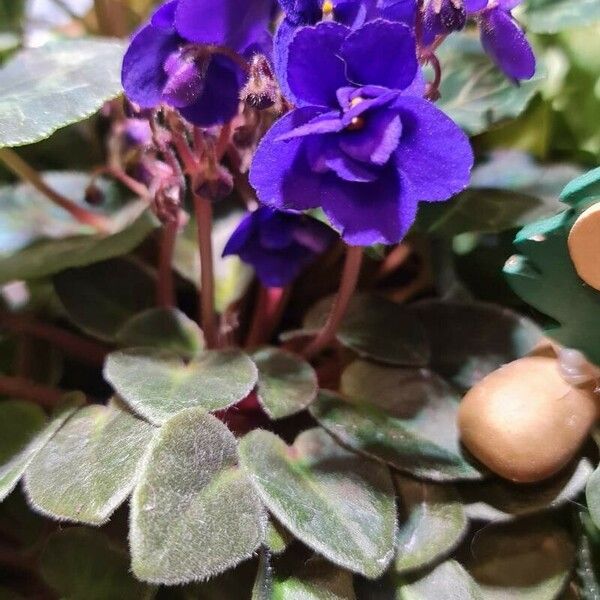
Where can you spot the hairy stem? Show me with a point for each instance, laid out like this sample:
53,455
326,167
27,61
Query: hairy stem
139,189
70,343
203,210
20,387
25,172
270,305
354,255
165,292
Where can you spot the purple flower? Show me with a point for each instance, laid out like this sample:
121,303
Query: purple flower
179,59
278,244
502,38
362,145
352,13
441,17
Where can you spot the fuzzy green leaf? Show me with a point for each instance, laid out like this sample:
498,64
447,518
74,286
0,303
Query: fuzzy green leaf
470,340
435,523
500,500
20,421
194,513
117,289
158,385
544,276
526,559
336,502
90,466
166,329
448,580
82,564
44,89
22,447
592,495
376,328
48,257
404,417
287,384
277,538
475,93
552,16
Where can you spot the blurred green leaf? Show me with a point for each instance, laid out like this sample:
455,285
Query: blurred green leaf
588,558
277,538
404,417
100,298
376,328
24,443
470,340
166,329
19,423
194,513
11,14
90,466
43,89
19,523
82,564
287,384
592,496
158,385
474,93
500,500
434,523
48,257
551,16
336,502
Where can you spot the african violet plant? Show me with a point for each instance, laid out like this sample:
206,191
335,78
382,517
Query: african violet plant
257,341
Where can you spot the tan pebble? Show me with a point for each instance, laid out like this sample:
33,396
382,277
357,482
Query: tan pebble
584,245
524,422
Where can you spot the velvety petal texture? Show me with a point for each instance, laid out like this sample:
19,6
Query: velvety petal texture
175,58
278,245
368,149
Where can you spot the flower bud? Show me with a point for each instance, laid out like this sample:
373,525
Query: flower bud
441,17
216,184
261,90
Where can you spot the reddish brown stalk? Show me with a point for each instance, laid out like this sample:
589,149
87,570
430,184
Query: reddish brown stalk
203,210
25,172
270,304
190,162
354,255
19,387
70,343
139,189
223,141
394,260
165,291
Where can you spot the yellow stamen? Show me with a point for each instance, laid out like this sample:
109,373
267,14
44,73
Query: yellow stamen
356,123
327,10
355,101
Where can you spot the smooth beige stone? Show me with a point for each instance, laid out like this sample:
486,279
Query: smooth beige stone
584,245
524,422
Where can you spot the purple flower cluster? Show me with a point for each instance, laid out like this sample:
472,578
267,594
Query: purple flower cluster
362,141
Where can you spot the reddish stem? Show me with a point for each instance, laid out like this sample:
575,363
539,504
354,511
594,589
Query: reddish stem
203,210
139,189
72,344
270,304
19,387
348,283
165,291
25,172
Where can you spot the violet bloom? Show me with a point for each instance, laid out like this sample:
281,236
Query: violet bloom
441,17
352,13
502,38
176,58
278,245
362,145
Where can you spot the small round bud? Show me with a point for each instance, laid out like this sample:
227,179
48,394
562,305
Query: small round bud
94,196
216,185
261,90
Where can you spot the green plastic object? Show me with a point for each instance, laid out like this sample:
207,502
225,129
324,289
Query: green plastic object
543,275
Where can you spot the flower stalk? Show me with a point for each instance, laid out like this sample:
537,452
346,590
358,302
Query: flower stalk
28,174
270,304
350,274
165,291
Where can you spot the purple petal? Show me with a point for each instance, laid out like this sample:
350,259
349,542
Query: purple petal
508,5
506,44
328,122
324,154
281,44
379,212
315,71
314,235
185,82
219,101
243,232
143,75
280,172
434,155
377,140
402,11
164,16
223,22
474,6
350,12
381,53
275,231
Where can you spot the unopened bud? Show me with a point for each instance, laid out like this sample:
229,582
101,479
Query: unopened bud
261,90
94,195
216,184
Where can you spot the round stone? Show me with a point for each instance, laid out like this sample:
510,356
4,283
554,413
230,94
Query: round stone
524,421
584,246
